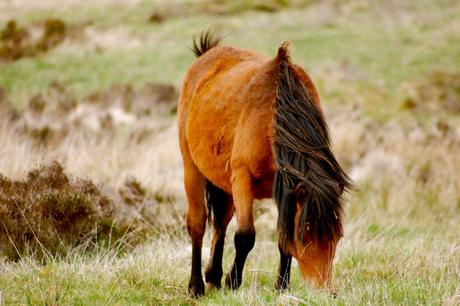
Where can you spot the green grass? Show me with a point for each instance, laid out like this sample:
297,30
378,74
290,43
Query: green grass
381,270
379,54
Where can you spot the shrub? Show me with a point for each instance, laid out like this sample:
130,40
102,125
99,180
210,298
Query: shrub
49,212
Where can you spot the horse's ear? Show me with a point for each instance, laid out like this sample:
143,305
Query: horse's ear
283,53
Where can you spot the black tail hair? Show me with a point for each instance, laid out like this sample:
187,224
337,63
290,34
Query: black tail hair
308,172
207,41
216,204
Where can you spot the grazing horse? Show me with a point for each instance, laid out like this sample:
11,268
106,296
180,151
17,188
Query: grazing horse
251,127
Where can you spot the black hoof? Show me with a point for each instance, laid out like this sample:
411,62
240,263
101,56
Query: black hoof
211,286
281,286
196,290
213,279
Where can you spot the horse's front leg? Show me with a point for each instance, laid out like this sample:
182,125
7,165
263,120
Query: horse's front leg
196,224
245,235
284,271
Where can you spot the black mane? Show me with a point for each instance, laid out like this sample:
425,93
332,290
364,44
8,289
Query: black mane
308,172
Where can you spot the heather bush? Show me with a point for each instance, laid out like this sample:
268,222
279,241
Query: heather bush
50,212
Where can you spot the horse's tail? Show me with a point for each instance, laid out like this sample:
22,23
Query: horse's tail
216,205
308,172
207,41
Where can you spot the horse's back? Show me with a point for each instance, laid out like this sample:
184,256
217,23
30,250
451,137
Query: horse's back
226,114
213,64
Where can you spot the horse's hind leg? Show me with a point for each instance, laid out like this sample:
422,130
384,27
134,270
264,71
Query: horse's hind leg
245,235
196,223
221,204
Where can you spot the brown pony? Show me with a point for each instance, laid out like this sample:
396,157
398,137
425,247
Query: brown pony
251,127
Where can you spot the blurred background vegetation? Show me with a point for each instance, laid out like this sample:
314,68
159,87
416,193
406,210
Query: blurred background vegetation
91,196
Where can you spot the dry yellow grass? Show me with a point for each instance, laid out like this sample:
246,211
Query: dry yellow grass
402,223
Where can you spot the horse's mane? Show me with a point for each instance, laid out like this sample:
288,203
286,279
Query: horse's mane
207,41
308,172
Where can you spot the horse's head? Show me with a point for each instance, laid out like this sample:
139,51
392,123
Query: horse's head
314,257
317,230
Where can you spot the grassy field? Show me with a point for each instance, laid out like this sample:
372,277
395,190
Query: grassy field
91,196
